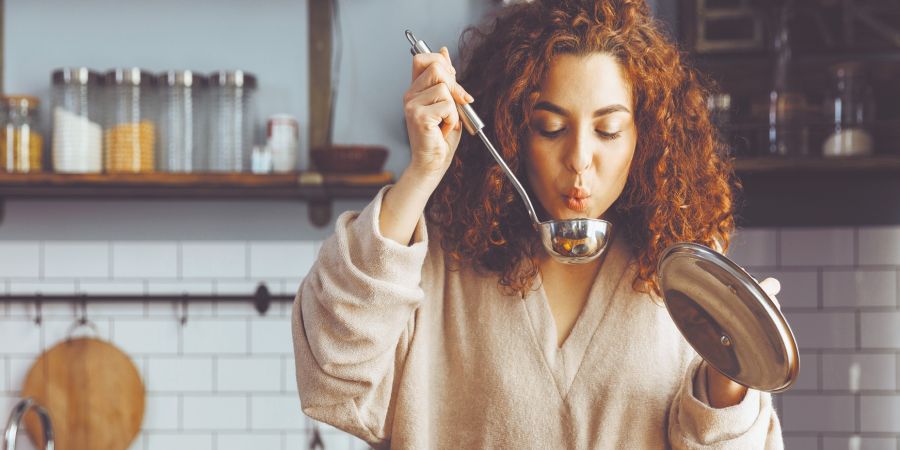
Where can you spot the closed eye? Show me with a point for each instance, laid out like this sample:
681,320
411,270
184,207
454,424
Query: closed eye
551,133
609,136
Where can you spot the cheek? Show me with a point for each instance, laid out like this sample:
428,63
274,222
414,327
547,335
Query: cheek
539,165
615,165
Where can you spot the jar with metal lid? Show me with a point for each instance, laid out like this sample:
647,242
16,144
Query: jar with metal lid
77,140
20,141
232,121
181,127
129,131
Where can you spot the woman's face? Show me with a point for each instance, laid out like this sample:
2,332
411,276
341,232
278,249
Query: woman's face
582,136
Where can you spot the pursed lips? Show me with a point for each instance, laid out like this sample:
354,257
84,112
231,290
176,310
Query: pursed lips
577,199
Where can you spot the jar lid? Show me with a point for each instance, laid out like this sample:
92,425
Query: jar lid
233,78
133,76
74,75
21,101
185,78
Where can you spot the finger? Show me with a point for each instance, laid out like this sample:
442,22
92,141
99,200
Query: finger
434,94
423,60
436,74
771,285
441,114
446,54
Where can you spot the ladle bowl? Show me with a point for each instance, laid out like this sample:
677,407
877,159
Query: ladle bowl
575,241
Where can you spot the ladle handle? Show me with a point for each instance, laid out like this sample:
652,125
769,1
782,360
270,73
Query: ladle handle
468,116
475,126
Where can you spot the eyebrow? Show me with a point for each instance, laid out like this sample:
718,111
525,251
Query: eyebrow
547,106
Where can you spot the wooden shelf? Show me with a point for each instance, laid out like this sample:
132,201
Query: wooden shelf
316,188
819,192
777,192
846,166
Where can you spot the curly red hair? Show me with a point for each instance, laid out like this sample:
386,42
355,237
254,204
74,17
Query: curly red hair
679,188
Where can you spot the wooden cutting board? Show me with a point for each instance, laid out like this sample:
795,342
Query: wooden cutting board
93,392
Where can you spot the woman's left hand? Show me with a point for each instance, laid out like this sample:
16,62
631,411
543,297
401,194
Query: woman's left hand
721,391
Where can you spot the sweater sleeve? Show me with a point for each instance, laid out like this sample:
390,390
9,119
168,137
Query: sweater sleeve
352,321
694,425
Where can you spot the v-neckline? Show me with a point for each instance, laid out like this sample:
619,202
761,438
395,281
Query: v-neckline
564,361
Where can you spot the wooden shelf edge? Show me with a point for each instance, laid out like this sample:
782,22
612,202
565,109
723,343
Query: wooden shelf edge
849,165
306,185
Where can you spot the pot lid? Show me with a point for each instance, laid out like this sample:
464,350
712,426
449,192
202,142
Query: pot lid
728,318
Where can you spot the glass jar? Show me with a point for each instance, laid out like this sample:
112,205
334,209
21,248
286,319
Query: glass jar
232,121
850,107
788,110
129,131
181,129
77,133
20,141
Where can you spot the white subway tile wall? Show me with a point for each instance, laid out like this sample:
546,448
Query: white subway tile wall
226,379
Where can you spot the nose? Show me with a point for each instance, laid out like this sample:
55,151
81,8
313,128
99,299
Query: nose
581,152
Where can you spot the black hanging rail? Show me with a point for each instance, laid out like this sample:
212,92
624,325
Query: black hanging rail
262,299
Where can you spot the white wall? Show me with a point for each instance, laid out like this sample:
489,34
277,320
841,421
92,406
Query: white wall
841,292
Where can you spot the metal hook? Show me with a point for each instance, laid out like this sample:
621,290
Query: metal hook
184,309
37,309
316,441
83,319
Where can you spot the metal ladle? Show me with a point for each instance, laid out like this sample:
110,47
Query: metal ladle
570,241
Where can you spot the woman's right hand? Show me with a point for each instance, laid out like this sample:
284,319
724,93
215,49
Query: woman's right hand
432,121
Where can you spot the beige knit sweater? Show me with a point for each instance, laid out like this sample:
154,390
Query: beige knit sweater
396,349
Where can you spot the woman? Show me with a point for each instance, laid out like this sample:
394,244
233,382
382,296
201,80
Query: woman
458,331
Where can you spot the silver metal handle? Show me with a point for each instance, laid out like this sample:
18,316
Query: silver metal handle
468,116
475,126
15,418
